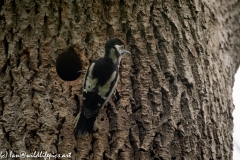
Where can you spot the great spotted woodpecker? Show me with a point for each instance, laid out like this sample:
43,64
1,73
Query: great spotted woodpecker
98,85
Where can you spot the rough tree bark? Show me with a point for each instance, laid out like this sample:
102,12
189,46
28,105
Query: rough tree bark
173,100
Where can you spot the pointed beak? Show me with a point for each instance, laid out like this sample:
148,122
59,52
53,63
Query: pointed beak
126,52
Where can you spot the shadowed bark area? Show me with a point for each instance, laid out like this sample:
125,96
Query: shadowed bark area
174,96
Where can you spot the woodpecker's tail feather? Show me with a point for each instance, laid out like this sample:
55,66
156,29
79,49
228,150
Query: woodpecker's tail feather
84,125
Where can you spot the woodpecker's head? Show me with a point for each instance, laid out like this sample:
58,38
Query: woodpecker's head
115,49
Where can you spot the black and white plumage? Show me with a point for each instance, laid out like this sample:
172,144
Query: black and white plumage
98,85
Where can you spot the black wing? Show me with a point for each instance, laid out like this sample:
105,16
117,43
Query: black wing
99,83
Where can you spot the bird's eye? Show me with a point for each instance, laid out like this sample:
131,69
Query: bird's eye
120,48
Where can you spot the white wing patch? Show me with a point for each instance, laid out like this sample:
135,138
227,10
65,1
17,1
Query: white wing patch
102,91
90,82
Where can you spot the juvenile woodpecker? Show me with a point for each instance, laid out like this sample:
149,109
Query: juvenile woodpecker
98,85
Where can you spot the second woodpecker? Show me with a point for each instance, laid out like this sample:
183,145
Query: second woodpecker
98,85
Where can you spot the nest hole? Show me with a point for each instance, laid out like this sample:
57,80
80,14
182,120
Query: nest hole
68,65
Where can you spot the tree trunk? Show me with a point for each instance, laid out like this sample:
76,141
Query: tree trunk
174,96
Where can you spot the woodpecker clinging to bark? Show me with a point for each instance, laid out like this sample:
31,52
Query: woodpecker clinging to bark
99,83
